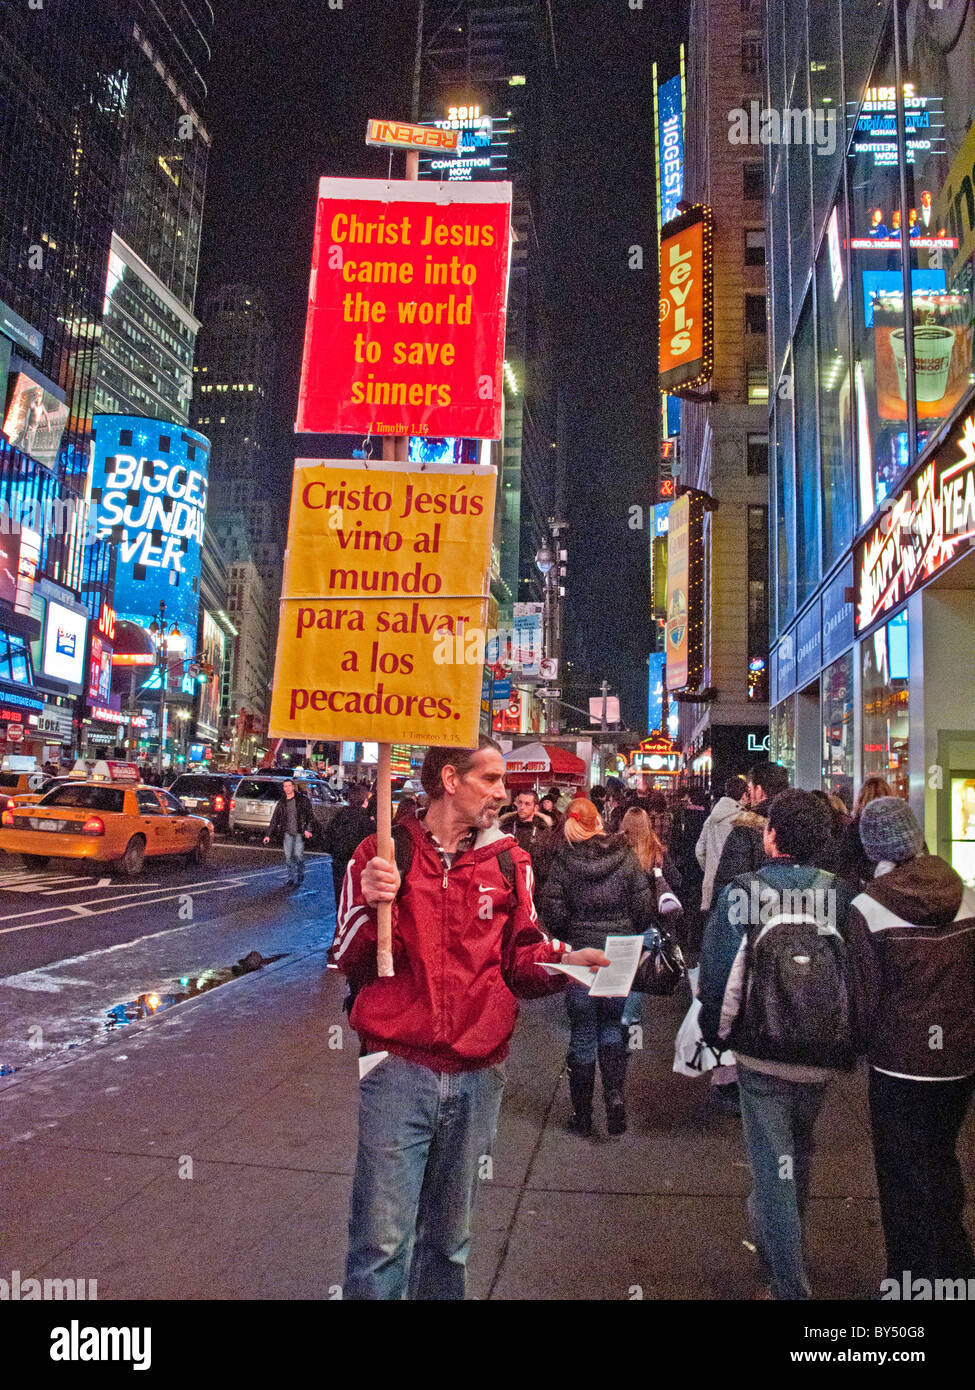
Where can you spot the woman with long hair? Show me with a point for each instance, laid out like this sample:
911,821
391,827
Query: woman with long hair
852,863
595,888
637,826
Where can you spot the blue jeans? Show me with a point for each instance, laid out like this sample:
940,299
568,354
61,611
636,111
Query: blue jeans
294,857
423,1136
778,1118
594,1024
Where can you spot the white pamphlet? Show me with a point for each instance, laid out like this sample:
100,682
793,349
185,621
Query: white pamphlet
615,980
584,974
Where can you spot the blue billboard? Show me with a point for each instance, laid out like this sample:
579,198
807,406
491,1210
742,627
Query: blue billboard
669,128
655,710
670,147
149,490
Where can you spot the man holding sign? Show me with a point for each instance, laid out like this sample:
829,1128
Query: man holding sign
466,943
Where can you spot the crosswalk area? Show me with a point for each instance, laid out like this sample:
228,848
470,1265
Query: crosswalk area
30,899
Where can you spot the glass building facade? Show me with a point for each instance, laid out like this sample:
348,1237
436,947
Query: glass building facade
871,216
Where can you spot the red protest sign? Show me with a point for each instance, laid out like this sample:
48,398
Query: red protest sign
406,310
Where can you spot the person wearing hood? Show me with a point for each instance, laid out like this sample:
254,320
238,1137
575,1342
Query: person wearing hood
911,942
716,830
595,888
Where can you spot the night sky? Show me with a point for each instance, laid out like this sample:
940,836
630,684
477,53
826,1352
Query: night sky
291,88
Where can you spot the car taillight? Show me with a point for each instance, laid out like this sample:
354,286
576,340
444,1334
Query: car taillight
8,803
233,802
94,825
7,818
218,803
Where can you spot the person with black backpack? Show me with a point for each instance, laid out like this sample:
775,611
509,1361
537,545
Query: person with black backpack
774,988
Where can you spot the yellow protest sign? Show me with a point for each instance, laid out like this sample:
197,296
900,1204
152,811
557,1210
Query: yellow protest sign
377,671
389,529
386,577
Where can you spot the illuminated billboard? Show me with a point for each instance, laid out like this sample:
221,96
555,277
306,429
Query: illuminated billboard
64,644
686,301
929,523
35,419
406,310
214,646
149,486
668,121
481,151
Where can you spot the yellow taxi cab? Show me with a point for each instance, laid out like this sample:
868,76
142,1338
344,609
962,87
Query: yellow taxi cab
111,822
14,785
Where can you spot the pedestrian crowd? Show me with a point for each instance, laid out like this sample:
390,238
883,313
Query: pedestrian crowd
824,936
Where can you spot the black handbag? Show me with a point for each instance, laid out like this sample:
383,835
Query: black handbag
661,968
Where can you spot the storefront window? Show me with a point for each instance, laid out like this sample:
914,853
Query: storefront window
835,391
940,115
825,92
884,658
807,459
877,287
785,502
838,727
783,736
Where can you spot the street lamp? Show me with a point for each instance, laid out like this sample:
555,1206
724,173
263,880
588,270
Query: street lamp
165,641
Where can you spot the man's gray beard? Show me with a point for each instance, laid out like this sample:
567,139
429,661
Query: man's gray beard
485,818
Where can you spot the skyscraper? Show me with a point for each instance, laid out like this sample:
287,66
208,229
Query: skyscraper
60,161
871,217
724,440
485,68
234,390
149,330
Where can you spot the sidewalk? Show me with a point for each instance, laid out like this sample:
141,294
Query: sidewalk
243,1082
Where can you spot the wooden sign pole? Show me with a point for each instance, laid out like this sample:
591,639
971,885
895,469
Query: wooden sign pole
394,449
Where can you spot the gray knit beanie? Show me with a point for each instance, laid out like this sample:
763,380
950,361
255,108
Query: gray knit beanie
889,830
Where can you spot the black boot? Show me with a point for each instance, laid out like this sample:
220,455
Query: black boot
582,1083
612,1065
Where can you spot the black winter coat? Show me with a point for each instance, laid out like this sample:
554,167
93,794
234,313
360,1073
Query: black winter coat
346,832
306,816
596,889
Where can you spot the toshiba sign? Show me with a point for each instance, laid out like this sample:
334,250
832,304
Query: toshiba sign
398,135
686,301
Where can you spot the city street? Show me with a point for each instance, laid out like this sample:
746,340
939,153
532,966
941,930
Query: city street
75,943
255,1084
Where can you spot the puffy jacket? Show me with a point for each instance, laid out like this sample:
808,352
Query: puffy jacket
306,816
911,937
711,842
535,838
465,944
345,832
596,889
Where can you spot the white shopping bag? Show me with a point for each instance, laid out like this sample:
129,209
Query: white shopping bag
692,1056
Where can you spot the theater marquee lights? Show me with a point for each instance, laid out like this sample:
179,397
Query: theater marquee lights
926,526
687,301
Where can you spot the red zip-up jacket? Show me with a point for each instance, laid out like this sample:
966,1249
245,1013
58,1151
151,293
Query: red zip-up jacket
464,946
